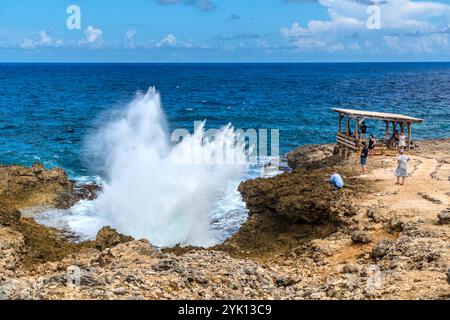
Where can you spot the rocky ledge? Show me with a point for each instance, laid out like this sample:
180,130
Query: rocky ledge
302,240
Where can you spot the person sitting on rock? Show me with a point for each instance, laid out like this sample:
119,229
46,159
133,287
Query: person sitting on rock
336,181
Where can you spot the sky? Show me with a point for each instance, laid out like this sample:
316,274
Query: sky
224,30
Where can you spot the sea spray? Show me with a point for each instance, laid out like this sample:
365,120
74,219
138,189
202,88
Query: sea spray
158,191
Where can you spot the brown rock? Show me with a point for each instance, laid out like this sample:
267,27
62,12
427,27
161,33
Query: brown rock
24,187
310,156
361,236
8,215
108,237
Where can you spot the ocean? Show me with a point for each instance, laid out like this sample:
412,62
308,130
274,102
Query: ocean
48,111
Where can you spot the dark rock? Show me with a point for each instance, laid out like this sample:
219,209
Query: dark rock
83,192
374,215
395,225
285,281
350,268
382,248
361,236
429,198
444,216
165,265
108,237
196,276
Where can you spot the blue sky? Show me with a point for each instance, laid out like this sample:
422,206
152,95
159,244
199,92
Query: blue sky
226,31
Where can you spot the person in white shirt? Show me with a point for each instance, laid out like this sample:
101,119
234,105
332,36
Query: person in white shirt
402,141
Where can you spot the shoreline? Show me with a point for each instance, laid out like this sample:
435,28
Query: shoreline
301,240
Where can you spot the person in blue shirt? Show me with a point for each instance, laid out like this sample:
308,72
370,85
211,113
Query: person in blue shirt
336,181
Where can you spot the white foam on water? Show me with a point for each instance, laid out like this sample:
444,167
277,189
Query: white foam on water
82,219
158,191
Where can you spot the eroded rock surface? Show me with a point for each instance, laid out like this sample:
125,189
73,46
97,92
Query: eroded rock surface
370,240
24,187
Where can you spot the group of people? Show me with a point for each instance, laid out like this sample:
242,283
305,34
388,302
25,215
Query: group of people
401,172
398,140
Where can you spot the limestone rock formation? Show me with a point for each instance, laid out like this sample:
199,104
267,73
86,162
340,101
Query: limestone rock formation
8,215
24,187
310,156
108,237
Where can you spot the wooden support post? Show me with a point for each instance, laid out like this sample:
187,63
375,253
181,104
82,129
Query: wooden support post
348,126
409,136
387,133
402,127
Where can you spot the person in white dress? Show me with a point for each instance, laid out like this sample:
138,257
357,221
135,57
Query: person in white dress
402,169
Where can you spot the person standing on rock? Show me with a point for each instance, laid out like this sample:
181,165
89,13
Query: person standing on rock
402,168
402,141
363,158
372,143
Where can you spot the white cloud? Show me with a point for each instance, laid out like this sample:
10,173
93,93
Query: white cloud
128,41
171,41
405,25
92,36
41,39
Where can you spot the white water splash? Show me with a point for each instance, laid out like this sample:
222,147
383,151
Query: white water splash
155,190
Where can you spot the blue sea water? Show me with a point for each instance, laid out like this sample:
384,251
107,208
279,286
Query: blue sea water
47,110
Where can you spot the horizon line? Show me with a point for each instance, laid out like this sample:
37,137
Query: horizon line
214,62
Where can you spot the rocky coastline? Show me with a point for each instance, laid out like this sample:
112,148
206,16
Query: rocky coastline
302,240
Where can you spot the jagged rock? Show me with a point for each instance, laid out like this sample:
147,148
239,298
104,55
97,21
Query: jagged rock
444,216
83,192
448,275
12,246
361,236
381,248
429,198
310,156
285,281
297,196
395,225
374,215
24,187
108,237
8,215
166,265
350,268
